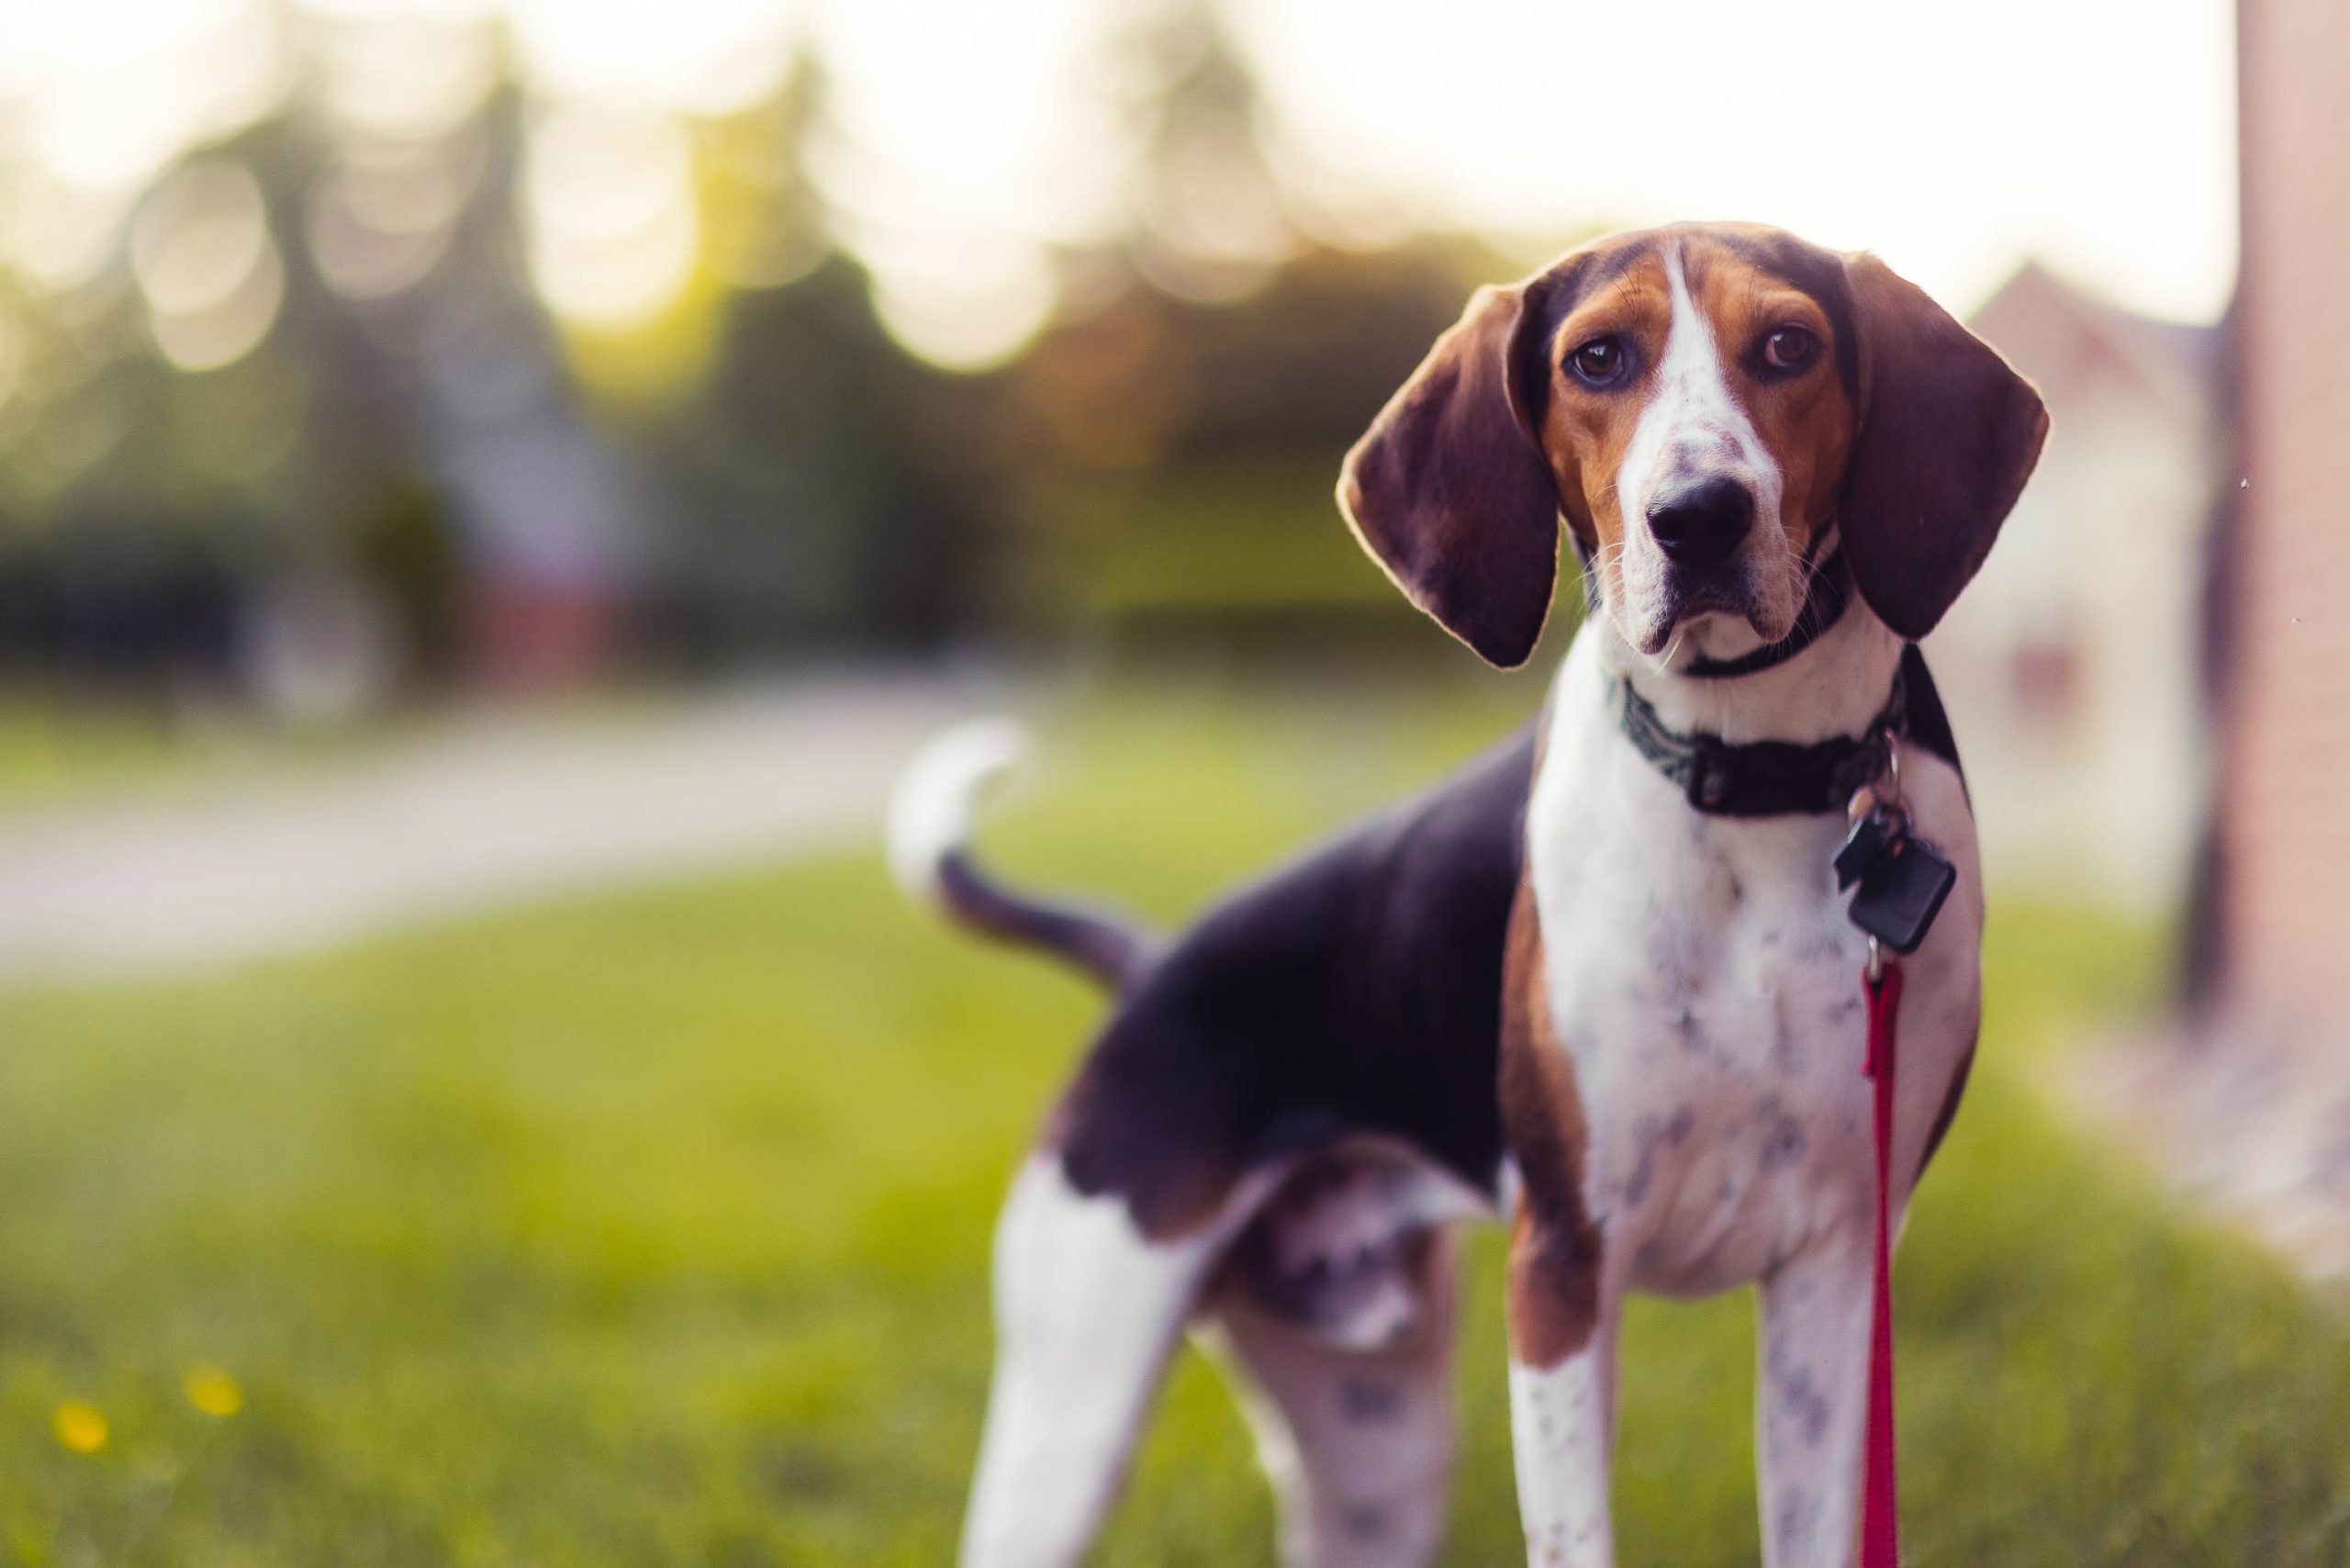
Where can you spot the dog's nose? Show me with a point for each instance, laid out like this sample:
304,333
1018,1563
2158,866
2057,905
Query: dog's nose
1702,521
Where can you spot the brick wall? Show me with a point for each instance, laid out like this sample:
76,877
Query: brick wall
2284,829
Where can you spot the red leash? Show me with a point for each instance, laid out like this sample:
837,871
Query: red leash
1880,1497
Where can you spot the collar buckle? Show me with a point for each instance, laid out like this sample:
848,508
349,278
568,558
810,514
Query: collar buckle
1713,774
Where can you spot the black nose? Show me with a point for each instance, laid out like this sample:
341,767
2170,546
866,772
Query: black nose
1702,521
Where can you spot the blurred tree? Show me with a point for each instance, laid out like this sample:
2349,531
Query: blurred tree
822,486
764,222
378,406
1183,419
825,490
1207,215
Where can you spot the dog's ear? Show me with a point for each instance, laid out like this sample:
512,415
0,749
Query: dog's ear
1449,490
1948,434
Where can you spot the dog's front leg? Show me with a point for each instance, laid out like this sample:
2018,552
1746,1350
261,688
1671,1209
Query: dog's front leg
1812,1416
1562,1316
1563,1295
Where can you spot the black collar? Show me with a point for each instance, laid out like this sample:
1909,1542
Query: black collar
1823,606
1765,778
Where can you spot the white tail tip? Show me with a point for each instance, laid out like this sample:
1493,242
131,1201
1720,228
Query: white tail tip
931,812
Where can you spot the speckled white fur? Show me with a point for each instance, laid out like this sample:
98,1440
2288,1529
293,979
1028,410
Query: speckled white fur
1704,979
1562,1423
1707,984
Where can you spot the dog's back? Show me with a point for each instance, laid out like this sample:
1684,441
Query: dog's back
1354,991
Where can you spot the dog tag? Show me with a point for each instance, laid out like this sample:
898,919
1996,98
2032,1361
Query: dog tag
1902,891
1874,834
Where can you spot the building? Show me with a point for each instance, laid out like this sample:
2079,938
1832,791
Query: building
2250,1105
2277,920
2072,667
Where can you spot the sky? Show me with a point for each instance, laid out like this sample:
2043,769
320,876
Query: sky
1954,140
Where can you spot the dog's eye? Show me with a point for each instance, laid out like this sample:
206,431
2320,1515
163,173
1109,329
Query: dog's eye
1789,348
1599,363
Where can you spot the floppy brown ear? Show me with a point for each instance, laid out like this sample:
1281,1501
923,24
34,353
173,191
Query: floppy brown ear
1449,491
1948,434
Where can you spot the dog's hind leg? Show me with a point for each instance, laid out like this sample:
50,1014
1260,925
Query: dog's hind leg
1358,1441
1087,1311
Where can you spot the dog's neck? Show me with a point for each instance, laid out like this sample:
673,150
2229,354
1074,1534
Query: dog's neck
1835,687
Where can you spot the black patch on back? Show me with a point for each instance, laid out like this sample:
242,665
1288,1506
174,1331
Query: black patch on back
1356,991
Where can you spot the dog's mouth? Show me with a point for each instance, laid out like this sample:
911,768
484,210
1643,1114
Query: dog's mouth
1701,614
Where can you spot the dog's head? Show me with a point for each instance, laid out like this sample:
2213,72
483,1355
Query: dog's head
1703,404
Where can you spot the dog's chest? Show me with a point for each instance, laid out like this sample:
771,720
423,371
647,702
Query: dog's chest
1715,1018
1704,979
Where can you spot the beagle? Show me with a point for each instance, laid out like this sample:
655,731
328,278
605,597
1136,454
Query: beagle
1600,984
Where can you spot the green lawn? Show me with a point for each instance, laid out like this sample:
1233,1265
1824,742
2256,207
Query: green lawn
51,749
651,1230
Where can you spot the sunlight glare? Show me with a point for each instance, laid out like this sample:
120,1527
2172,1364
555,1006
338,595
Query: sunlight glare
962,302
116,88
406,77
1954,140
967,146
699,57
613,229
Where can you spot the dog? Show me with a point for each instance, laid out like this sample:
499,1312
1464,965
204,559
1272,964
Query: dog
1600,984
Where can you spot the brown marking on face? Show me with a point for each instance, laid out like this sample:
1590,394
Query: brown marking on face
1584,432
1554,1244
1806,417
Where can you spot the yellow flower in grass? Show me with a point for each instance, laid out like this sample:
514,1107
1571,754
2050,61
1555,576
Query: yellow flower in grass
212,1391
80,1427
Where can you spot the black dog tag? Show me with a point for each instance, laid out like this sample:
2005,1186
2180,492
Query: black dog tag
1872,836
1901,893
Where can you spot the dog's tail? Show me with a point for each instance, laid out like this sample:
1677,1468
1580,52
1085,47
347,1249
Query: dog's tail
930,827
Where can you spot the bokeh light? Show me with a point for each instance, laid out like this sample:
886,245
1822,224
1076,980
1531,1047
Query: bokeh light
202,252
613,227
698,57
379,222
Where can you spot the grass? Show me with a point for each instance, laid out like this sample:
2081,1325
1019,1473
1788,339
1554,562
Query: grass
51,750
651,1230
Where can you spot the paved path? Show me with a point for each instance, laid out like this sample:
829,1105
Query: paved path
485,809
